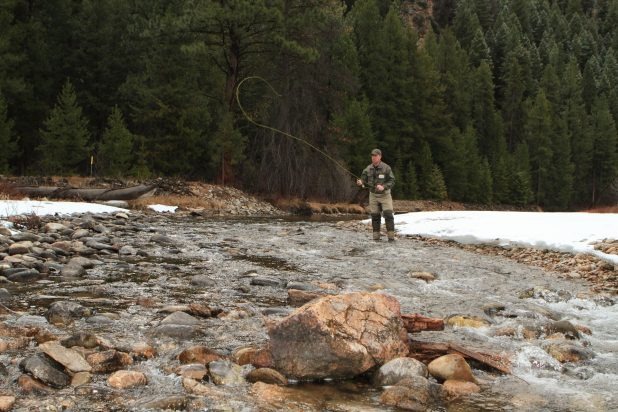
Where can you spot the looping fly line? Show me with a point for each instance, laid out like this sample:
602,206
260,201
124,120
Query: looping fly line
264,126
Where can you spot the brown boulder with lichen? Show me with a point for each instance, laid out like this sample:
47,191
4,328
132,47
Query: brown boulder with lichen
199,354
339,336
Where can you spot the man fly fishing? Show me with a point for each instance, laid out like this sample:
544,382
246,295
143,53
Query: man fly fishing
379,178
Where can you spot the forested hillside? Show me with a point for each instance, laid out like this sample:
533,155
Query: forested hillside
489,101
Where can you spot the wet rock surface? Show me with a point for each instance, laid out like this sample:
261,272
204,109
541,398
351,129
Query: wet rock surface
339,336
204,292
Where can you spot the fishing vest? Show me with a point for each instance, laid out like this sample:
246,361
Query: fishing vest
378,175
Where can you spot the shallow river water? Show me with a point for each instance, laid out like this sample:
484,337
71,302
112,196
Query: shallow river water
234,253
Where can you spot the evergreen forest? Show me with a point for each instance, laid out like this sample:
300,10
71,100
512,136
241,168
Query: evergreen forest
483,101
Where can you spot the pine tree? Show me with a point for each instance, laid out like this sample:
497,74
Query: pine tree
8,141
65,138
390,102
466,23
500,177
484,11
538,132
116,147
560,179
452,63
604,155
485,119
401,189
436,188
479,51
523,10
520,192
548,49
538,20
456,171
140,169
590,82
106,53
28,78
551,86
430,119
485,184
411,181
473,168
500,43
608,16
577,125
584,46
610,72
424,166
226,149
352,130
560,174
513,95
171,110
559,24
368,32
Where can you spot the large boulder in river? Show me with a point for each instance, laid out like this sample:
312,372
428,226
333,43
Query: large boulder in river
339,336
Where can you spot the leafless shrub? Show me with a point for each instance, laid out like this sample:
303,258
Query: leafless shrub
7,191
29,221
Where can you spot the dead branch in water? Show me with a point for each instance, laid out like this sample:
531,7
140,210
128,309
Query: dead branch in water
428,351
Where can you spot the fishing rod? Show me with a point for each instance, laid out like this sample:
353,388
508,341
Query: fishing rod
264,126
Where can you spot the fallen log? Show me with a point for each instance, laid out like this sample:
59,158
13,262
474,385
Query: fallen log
52,192
417,323
428,351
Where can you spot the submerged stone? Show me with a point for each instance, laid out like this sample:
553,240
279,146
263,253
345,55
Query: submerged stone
46,370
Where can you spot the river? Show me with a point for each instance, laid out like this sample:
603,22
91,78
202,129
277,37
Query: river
281,253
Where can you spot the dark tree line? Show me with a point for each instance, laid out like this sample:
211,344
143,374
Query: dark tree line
489,101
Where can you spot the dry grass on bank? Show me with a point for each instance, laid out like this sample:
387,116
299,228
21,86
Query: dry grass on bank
300,206
74,181
607,209
334,208
183,202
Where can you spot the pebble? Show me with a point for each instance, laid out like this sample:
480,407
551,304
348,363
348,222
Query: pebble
266,375
124,379
6,403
